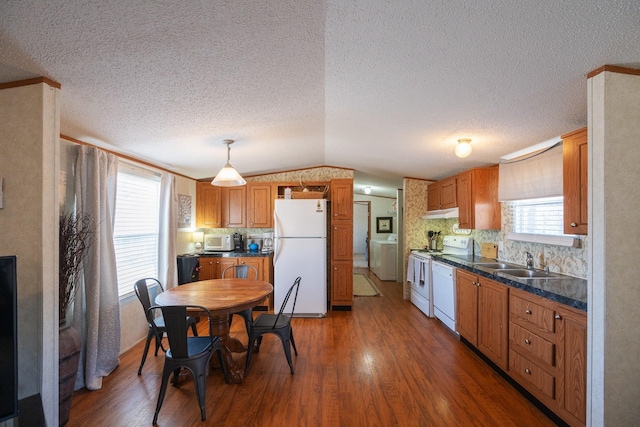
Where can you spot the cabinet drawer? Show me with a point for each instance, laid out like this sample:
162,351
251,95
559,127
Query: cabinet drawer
536,314
532,345
531,375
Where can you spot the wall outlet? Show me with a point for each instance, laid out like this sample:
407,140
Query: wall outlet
500,245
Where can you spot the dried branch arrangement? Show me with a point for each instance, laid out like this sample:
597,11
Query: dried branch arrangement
76,236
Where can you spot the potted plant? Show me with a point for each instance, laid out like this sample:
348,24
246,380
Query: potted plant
76,236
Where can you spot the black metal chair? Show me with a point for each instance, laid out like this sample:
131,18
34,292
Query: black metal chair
242,272
277,324
141,287
192,353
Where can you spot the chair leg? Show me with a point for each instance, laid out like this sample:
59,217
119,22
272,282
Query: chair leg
293,343
159,344
150,335
225,370
194,329
201,388
286,343
166,372
249,354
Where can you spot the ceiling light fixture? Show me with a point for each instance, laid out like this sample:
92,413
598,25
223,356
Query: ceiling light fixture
228,176
367,190
463,149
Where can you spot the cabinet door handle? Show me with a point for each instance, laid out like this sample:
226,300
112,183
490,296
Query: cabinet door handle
527,371
557,317
527,341
474,283
527,311
573,224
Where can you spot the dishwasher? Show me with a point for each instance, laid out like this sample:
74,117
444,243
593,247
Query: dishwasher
443,279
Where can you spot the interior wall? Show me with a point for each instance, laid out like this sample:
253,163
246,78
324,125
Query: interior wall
360,227
613,337
29,164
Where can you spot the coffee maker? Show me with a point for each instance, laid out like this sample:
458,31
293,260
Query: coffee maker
267,242
238,242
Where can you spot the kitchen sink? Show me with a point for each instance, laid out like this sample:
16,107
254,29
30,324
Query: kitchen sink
527,274
494,265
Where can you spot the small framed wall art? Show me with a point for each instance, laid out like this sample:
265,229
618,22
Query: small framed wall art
384,224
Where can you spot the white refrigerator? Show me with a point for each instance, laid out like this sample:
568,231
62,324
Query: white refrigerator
300,249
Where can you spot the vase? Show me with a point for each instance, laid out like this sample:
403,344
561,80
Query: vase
69,356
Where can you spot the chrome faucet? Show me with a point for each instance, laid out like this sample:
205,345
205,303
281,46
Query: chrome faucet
529,261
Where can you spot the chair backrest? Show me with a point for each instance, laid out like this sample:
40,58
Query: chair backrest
296,287
176,325
141,287
241,271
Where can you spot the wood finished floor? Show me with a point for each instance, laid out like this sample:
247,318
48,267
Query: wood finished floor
382,364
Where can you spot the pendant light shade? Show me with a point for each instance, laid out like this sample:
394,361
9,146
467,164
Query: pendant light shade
463,149
228,176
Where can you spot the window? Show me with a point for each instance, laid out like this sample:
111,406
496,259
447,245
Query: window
135,234
539,216
540,221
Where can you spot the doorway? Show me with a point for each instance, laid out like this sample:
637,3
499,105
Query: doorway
361,233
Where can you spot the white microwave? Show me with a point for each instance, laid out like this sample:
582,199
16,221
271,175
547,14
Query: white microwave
218,242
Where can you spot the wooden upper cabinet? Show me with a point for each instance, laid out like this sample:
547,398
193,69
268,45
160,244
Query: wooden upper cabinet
442,195
234,207
208,205
259,205
478,205
574,155
342,199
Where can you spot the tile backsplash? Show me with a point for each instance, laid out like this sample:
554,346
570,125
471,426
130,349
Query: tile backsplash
560,259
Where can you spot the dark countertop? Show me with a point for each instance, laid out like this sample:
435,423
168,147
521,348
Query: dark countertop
567,290
235,254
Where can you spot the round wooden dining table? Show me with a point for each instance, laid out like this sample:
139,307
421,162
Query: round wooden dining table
222,297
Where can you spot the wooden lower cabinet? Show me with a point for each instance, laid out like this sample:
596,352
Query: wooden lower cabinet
572,365
548,348
482,315
341,283
540,343
212,268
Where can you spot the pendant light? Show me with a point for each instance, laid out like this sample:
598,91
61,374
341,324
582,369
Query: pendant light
463,149
228,176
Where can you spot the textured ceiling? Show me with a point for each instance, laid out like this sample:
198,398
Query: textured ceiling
385,88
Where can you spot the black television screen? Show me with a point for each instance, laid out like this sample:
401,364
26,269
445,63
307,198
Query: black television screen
8,339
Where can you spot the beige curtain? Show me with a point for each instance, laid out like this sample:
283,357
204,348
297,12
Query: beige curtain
533,176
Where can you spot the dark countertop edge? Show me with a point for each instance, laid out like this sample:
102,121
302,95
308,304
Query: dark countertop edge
232,254
525,284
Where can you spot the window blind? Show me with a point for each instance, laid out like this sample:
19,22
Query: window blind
539,216
533,176
136,226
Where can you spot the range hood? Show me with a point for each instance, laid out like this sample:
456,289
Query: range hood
441,213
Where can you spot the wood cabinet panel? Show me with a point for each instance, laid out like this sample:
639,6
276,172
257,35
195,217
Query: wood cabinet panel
467,306
575,185
531,345
342,283
572,365
259,205
234,207
208,205
538,314
342,199
531,375
493,315
478,204
208,268
442,194
342,240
